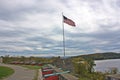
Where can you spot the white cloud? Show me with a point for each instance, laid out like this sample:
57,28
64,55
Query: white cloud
100,42
15,48
16,4
42,49
35,24
98,50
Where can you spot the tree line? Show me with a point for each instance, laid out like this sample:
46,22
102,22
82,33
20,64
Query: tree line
102,56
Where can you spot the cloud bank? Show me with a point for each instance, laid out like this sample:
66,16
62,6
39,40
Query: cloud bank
34,27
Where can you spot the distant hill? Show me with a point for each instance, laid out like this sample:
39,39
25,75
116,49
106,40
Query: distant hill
101,56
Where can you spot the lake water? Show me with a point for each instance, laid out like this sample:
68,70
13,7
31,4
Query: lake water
105,65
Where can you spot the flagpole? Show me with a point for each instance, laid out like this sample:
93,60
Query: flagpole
63,36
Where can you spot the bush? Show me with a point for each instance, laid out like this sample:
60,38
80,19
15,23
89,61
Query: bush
84,69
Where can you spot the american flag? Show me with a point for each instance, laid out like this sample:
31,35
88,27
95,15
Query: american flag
68,21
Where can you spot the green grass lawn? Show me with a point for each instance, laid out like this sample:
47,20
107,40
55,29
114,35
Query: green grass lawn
5,72
32,67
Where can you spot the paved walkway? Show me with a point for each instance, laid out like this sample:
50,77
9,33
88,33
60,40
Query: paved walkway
21,73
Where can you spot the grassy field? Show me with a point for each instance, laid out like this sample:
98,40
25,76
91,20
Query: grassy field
32,67
5,72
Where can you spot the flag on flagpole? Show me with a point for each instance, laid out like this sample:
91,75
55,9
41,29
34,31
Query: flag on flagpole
68,21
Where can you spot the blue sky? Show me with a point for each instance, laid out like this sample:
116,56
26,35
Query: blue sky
34,27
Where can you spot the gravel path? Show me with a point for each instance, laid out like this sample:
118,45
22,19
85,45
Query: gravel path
21,73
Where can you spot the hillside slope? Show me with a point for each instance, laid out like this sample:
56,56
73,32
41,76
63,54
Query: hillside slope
101,56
